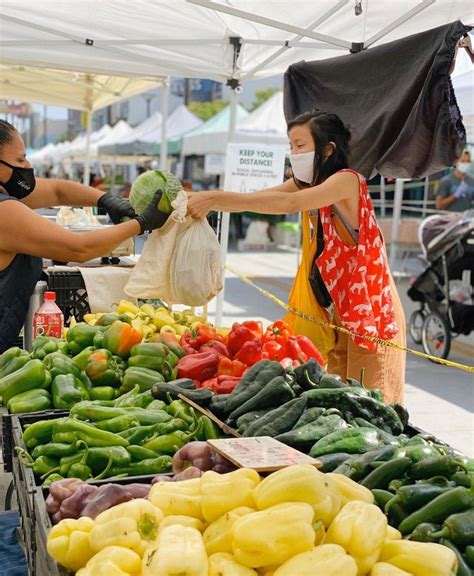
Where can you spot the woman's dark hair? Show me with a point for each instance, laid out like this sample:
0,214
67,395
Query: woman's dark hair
325,128
7,132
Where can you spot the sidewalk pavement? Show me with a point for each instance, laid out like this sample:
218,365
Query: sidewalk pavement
440,399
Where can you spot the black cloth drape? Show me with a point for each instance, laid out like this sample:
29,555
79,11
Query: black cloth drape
397,99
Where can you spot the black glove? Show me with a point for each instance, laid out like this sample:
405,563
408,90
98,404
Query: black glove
151,218
116,207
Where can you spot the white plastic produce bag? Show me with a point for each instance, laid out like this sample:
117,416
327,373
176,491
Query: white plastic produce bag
180,262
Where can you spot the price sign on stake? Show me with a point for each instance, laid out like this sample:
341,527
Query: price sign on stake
262,453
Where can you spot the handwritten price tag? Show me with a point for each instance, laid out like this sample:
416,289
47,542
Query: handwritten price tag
263,454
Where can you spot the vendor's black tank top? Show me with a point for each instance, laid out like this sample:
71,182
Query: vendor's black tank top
17,283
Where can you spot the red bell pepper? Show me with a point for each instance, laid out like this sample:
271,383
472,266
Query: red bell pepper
211,383
237,337
201,334
273,351
255,326
250,353
279,331
120,338
217,347
310,349
294,351
228,367
200,366
221,384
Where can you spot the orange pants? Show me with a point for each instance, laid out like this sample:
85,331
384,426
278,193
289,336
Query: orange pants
384,368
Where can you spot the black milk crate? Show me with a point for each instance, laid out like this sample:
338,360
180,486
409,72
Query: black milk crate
71,294
8,444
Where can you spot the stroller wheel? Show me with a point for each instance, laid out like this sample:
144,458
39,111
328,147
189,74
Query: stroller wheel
416,324
436,336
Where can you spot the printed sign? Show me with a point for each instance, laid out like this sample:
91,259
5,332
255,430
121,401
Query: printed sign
251,167
262,453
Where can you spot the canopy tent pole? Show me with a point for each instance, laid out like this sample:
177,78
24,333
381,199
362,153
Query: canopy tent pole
225,221
87,168
396,218
164,117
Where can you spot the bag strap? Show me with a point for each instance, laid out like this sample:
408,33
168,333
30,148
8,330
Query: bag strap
354,235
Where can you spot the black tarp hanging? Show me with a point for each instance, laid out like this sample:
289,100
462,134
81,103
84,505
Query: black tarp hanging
397,99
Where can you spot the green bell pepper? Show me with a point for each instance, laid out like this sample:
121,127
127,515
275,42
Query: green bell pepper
58,363
44,345
30,401
80,360
103,393
87,433
143,377
12,360
81,336
68,390
32,375
102,369
52,478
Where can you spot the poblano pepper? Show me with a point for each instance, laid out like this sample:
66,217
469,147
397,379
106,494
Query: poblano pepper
68,390
102,369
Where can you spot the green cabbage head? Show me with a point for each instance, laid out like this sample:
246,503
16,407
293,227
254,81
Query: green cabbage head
145,186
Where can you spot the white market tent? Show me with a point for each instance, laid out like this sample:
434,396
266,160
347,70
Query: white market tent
224,40
144,137
120,130
265,125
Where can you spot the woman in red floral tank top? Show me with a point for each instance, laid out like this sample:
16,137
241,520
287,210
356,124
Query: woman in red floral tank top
349,271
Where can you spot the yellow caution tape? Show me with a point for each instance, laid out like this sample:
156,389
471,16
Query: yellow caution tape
304,316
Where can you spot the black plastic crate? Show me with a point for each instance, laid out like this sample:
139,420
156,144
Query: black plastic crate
71,293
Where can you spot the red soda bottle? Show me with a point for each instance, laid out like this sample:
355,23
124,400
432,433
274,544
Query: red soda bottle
48,319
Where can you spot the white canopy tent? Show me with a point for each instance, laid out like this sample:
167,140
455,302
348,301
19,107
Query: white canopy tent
225,40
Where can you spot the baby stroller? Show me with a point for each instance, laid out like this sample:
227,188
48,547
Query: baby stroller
447,242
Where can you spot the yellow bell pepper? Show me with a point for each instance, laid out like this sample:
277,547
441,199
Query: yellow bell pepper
125,306
420,558
218,535
300,483
222,564
274,535
132,525
393,533
178,498
350,490
223,492
360,528
328,559
113,561
183,521
384,569
161,319
178,551
68,542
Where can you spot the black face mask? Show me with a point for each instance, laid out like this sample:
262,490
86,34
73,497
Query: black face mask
21,183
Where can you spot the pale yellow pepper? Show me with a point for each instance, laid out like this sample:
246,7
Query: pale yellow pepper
183,521
218,535
148,309
132,525
162,318
178,551
125,306
180,329
223,492
393,533
420,558
385,569
68,542
178,498
327,559
350,490
274,535
223,564
113,561
300,483
360,528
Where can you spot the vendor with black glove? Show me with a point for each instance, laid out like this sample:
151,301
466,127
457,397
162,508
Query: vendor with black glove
26,237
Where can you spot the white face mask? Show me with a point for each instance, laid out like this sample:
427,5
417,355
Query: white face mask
303,166
463,167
